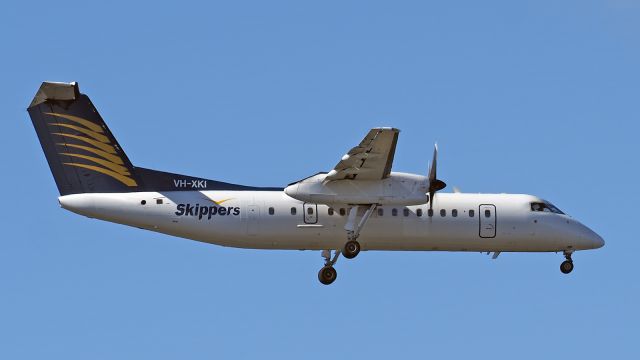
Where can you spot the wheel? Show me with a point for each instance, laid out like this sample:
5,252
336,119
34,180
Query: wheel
351,249
327,275
566,266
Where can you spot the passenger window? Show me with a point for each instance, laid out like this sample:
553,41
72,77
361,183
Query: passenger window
380,211
487,213
419,212
330,211
406,212
342,212
430,212
394,212
443,212
271,211
159,201
293,211
454,212
310,210
472,213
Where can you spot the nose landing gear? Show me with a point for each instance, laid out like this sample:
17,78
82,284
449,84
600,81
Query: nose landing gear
567,265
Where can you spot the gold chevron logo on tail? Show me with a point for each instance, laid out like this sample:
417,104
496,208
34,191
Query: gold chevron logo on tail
95,142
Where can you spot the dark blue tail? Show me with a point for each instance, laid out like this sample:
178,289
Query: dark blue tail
85,157
83,154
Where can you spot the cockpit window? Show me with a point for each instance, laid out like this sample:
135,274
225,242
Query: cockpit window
545,207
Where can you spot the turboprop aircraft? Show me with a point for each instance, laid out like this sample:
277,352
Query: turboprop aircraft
360,204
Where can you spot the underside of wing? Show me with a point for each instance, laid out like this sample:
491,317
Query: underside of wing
371,160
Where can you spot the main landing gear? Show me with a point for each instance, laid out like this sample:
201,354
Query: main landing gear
567,265
351,249
353,227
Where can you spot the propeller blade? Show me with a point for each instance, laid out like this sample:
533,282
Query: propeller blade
434,184
434,164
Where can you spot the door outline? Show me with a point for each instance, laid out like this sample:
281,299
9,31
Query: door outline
490,227
253,217
310,219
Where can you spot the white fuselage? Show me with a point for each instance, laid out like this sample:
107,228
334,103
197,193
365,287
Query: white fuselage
267,220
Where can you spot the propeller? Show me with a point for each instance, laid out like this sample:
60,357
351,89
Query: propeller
434,183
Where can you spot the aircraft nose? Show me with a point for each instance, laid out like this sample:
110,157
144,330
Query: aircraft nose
592,239
597,240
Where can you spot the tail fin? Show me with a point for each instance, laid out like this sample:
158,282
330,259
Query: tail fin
83,154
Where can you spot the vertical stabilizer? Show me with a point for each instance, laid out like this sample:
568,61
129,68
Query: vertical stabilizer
82,153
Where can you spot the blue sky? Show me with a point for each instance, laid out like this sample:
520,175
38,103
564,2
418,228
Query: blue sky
536,97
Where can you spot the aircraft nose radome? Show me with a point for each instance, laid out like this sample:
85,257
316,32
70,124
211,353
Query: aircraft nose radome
593,240
597,240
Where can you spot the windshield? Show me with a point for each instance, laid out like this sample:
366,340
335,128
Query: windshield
545,207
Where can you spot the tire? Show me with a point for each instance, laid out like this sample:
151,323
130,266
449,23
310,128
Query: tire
351,249
327,275
566,266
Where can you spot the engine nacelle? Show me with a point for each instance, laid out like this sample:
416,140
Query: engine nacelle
397,189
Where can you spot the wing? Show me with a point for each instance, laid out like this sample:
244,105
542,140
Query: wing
371,160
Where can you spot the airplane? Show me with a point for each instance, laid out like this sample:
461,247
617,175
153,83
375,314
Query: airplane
360,204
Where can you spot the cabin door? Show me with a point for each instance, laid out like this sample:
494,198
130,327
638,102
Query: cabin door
488,221
253,216
310,213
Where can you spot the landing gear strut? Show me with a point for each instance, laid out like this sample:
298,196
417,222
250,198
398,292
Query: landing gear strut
352,247
567,265
328,273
